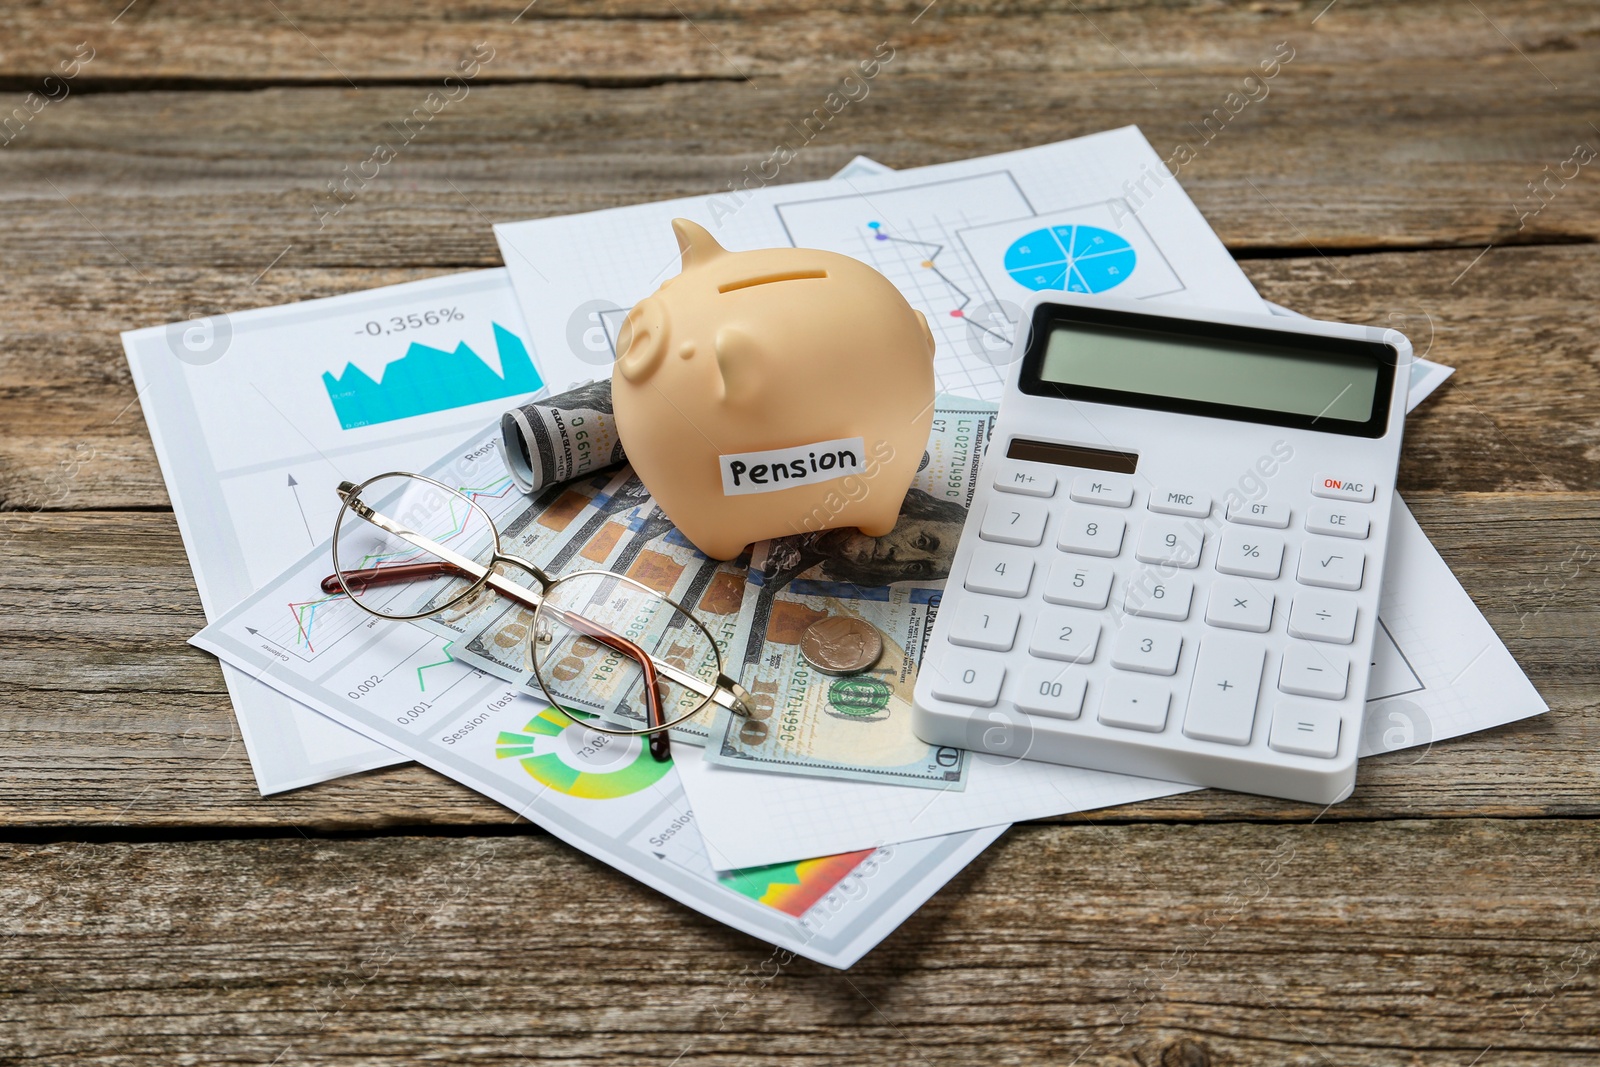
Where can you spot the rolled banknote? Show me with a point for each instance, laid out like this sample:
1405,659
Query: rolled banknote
856,727
561,437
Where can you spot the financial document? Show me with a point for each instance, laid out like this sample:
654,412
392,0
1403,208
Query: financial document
966,243
606,795
256,416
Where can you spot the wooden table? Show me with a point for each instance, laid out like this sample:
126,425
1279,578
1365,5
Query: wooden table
157,910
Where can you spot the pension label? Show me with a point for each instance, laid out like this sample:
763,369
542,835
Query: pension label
785,468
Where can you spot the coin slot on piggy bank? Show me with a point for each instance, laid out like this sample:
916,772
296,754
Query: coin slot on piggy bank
773,392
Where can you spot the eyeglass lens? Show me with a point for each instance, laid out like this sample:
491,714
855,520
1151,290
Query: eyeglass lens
388,574
576,653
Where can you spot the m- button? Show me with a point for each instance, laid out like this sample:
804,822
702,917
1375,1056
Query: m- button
1107,489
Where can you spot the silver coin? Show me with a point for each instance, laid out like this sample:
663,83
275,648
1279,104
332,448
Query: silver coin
841,644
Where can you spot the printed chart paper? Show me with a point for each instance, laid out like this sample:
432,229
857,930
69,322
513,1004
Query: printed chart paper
606,795
966,242
257,416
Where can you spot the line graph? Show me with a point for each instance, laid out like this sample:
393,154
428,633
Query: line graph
320,621
930,261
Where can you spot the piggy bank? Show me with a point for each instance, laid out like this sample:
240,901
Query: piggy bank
772,392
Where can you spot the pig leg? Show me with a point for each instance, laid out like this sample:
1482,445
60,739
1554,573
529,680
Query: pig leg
718,547
878,527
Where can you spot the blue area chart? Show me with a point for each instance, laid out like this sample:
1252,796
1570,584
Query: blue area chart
428,379
1079,259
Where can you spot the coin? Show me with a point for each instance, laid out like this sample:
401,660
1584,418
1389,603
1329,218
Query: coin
841,644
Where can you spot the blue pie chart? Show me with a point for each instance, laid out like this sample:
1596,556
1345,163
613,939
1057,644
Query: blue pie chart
1079,259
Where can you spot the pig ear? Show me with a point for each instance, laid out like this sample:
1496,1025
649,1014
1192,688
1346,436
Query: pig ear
927,334
695,242
642,340
741,363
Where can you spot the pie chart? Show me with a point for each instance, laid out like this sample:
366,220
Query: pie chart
1079,259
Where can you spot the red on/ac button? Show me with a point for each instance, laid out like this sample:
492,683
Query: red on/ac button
1342,488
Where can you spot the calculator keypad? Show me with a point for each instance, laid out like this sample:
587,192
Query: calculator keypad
1077,603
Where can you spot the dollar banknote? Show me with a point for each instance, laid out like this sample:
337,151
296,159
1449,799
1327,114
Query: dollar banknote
856,727
612,526
559,438
563,527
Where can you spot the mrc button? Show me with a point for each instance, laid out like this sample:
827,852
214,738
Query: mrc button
1169,500
1335,488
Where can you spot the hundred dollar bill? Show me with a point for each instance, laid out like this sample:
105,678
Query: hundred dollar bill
856,727
617,529
561,437
573,526
655,554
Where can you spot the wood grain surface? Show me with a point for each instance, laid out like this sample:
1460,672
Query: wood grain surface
156,910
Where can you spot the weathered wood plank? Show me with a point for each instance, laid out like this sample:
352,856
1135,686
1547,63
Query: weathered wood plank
611,43
139,181
1523,411
110,719
1354,943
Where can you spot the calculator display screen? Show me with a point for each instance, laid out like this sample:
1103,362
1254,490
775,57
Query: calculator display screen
1258,374
1320,384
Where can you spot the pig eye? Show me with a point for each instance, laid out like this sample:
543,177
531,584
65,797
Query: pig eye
643,340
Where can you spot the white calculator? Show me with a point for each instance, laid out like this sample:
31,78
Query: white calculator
1171,567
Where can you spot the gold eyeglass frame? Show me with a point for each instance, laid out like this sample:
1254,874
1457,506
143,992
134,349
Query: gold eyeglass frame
725,692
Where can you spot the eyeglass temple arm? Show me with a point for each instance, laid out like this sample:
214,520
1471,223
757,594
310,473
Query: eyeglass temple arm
660,747
360,580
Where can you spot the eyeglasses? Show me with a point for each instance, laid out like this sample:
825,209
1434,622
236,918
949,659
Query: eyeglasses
605,647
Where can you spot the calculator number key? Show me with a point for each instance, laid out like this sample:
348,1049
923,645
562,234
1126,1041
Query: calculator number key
1250,554
1147,649
1151,597
1064,634
1078,583
1051,689
1323,617
1093,533
967,678
1172,542
1331,564
1014,522
999,571
981,622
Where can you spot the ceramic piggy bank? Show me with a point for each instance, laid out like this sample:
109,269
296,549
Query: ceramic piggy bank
780,391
